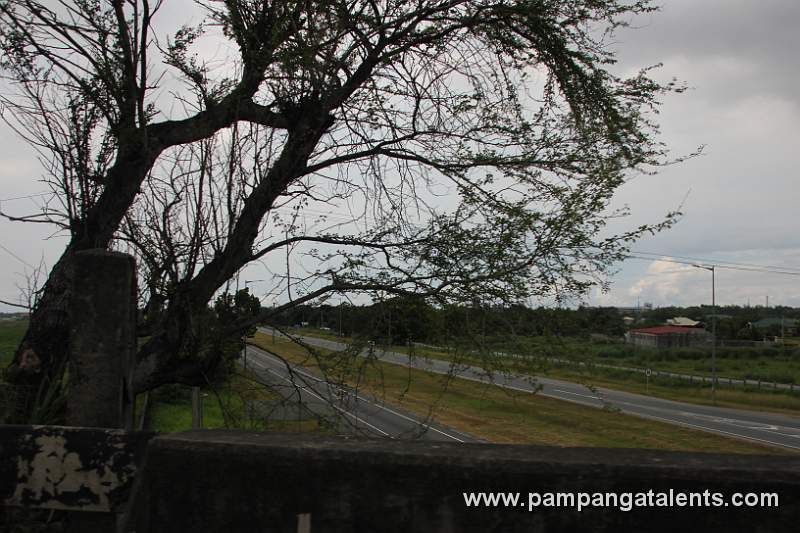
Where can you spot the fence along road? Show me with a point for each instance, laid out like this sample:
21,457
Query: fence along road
691,378
767,428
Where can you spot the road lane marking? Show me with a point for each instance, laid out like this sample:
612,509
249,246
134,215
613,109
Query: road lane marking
308,391
409,363
634,413
363,399
714,430
356,418
576,394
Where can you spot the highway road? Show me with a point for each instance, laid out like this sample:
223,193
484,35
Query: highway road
767,428
353,412
721,380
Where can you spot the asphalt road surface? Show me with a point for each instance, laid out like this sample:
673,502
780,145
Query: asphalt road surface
353,412
767,428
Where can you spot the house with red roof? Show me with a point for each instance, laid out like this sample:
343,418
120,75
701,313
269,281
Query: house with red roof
668,336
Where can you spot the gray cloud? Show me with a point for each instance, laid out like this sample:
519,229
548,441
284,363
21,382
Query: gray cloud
722,40
740,58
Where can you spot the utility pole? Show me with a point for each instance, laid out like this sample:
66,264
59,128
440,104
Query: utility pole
483,333
713,338
783,336
713,332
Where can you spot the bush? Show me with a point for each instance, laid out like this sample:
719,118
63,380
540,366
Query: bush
174,393
768,377
675,354
615,352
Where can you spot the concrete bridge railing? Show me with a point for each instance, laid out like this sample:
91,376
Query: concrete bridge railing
242,481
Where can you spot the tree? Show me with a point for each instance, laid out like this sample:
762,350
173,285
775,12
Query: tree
217,336
507,105
402,319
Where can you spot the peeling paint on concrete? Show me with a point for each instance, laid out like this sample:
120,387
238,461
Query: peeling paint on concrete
69,468
53,473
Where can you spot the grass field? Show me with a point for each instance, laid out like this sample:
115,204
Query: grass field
671,389
11,332
682,391
501,415
224,406
767,363
170,407
559,423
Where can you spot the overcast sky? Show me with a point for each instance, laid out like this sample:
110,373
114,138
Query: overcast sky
740,198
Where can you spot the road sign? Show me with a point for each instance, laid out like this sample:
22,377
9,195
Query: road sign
648,372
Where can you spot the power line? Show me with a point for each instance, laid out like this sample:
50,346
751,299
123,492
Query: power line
718,262
35,195
727,267
15,256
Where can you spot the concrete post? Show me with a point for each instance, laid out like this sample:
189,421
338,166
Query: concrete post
197,409
102,311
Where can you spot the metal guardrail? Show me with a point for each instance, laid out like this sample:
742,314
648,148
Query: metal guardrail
691,378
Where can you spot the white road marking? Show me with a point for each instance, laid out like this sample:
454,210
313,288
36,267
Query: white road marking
576,394
409,363
308,391
365,400
713,430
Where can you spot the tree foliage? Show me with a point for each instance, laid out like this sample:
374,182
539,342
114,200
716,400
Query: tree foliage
477,142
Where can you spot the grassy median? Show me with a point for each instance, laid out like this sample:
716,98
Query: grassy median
501,415
764,399
678,390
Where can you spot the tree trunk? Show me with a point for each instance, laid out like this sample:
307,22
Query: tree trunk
36,372
170,355
39,362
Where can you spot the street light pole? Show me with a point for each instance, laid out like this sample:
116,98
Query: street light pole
713,332
713,338
340,319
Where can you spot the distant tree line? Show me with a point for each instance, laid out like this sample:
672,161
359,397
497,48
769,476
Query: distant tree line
398,320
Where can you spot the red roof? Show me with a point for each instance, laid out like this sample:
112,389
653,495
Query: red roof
665,330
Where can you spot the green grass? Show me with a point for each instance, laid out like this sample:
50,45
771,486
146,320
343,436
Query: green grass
682,391
320,334
768,363
170,409
169,417
224,406
502,415
735,397
11,333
